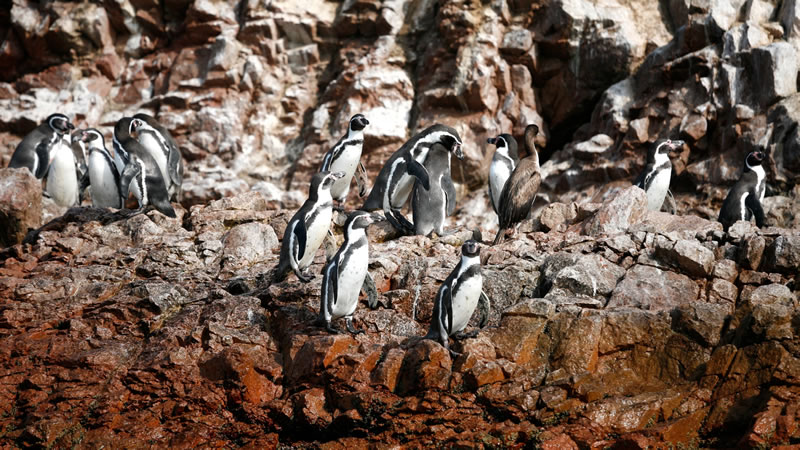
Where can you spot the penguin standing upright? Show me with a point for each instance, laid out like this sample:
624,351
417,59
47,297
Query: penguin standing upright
307,229
655,177
520,190
345,273
396,179
504,162
62,183
345,157
432,206
458,296
745,197
34,150
164,150
140,175
103,175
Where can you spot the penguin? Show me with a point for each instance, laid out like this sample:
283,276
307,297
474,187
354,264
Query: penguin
346,272
396,178
140,174
654,179
103,175
504,162
307,229
34,150
457,297
164,150
432,206
62,184
520,190
345,156
745,197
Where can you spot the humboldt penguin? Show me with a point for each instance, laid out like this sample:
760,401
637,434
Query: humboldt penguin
140,174
307,229
346,272
345,157
34,150
396,179
654,179
520,190
504,162
745,197
457,297
103,175
431,206
62,184
164,150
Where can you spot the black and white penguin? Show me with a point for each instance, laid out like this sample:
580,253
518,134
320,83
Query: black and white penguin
431,206
345,157
345,273
655,177
520,190
504,162
62,183
457,297
745,197
34,150
103,175
307,229
164,150
396,179
140,174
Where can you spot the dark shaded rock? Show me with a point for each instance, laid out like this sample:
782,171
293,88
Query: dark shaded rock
20,205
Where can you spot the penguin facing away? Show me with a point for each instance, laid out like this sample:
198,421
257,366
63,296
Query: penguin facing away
432,206
346,272
140,175
457,297
504,162
345,157
103,176
307,229
62,174
33,151
396,179
744,199
164,150
520,190
655,176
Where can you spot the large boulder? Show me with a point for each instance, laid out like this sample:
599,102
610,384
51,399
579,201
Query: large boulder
20,205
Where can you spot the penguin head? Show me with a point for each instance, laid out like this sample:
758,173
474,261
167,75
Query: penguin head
135,125
754,159
470,249
362,219
93,137
323,181
358,122
506,143
60,123
668,146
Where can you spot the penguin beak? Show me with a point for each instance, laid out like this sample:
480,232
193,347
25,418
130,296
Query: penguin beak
337,175
70,126
364,121
492,141
457,151
375,217
675,145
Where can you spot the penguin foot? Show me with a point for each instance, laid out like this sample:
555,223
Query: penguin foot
460,335
453,353
305,277
332,329
349,324
338,208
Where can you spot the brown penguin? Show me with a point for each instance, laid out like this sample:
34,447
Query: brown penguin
521,188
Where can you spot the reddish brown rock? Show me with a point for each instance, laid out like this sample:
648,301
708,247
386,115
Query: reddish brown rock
20,205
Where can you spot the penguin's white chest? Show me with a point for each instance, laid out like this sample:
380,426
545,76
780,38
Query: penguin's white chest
499,172
347,163
465,300
62,180
658,189
154,147
316,230
351,278
103,185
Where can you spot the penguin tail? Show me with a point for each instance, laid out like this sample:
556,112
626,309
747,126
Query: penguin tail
499,237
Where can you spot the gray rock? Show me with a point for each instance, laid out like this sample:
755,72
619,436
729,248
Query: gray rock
517,42
702,322
783,254
740,230
725,269
722,291
751,251
247,244
651,288
627,208
772,294
557,216
582,275
774,71
20,205
689,255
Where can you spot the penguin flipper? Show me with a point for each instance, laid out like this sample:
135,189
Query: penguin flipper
450,194
419,172
130,172
485,306
44,159
298,250
756,209
329,281
361,180
372,292
448,304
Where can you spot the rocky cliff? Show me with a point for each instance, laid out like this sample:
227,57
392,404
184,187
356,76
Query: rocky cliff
610,326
